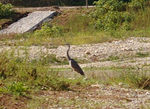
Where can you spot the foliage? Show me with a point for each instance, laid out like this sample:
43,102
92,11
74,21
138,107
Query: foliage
5,10
55,82
49,30
137,4
17,88
20,76
111,15
133,79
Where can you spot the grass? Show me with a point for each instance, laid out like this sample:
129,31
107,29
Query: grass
74,27
139,54
70,21
48,60
133,80
24,78
112,58
20,76
127,77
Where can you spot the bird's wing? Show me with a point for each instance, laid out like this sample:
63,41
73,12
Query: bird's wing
76,67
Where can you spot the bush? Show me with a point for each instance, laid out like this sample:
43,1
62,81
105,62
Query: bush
5,10
49,30
137,4
111,15
17,88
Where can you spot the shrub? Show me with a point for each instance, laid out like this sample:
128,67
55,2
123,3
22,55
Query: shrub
5,10
49,30
137,4
17,88
111,15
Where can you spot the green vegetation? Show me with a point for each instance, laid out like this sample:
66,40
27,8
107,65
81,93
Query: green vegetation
5,10
129,77
115,14
17,88
66,30
110,20
86,26
139,54
21,77
48,30
111,58
111,15
132,79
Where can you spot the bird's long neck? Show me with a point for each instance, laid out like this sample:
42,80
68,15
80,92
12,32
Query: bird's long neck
68,53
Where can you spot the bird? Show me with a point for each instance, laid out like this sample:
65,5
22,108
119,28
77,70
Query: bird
73,63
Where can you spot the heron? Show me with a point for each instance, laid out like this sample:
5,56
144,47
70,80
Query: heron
73,63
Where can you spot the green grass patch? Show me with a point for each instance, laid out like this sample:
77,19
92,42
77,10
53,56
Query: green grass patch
129,78
74,26
22,77
76,29
50,60
140,54
134,80
112,58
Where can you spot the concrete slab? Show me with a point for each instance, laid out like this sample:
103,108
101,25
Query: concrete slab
29,23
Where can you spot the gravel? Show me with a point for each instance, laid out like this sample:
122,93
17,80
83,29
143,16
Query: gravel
98,97
94,53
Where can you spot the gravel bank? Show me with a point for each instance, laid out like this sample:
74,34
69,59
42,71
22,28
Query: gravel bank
94,53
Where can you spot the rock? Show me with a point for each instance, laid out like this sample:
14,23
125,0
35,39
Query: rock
87,52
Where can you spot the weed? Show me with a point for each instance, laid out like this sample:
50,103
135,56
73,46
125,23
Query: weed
112,58
3,90
132,79
32,75
18,88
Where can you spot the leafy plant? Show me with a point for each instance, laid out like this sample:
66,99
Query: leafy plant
137,4
111,15
17,88
5,10
48,30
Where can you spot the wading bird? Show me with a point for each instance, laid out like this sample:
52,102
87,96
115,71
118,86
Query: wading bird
74,64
